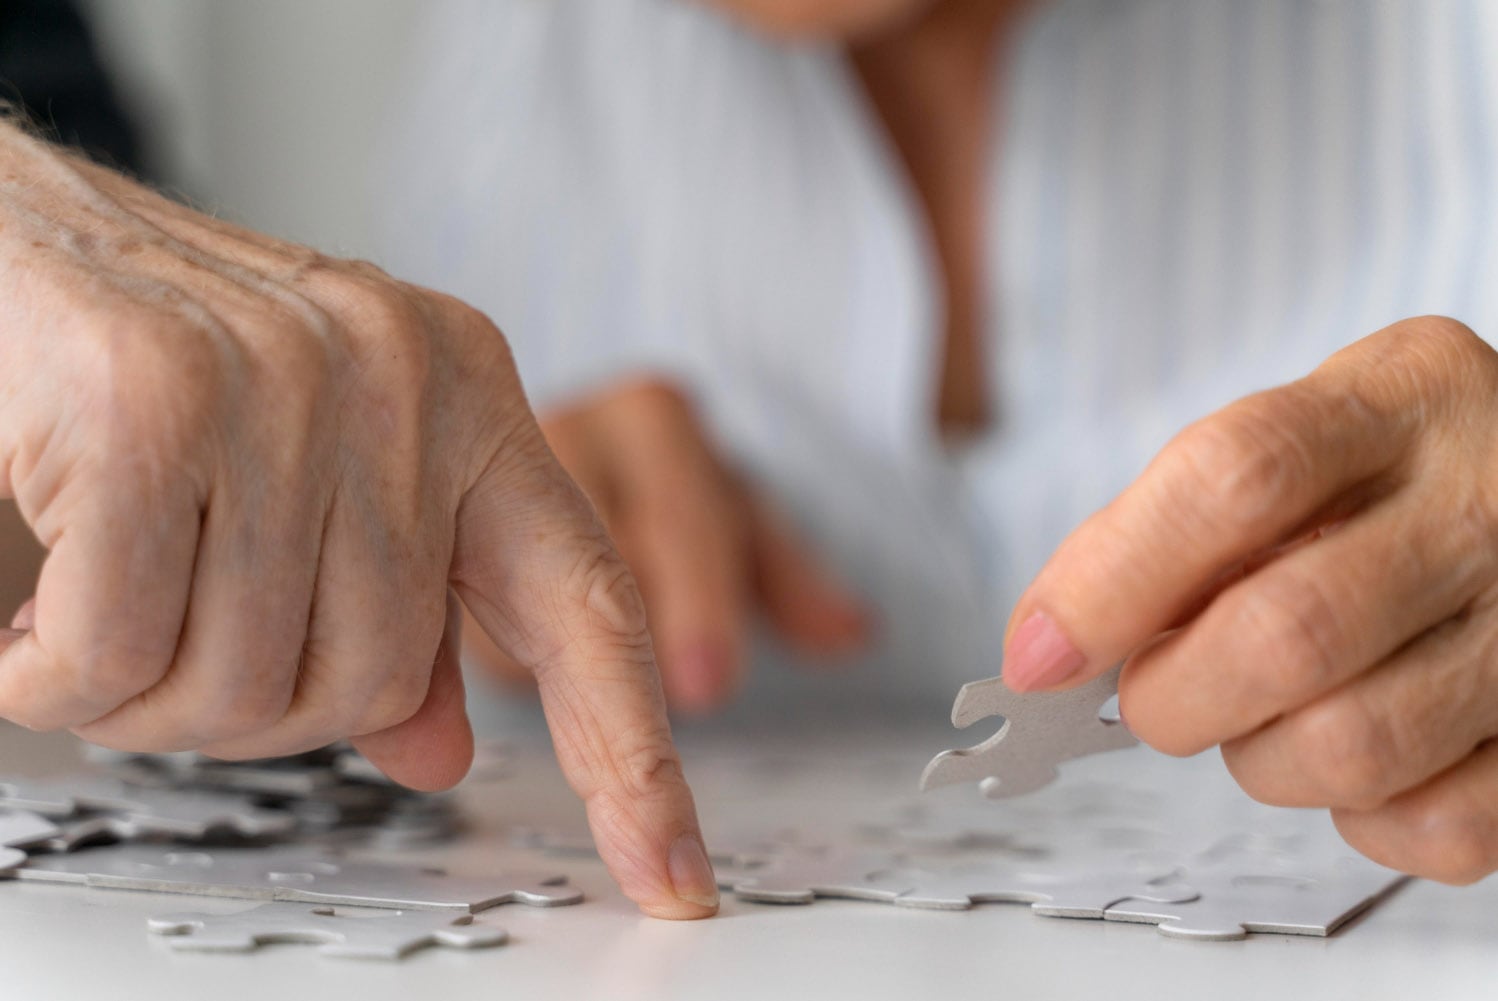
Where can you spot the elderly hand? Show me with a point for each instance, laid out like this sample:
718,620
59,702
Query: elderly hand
1309,578
264,479
706,548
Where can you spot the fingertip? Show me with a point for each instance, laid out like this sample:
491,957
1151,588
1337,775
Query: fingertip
1039,656
678,910
683,888
702,677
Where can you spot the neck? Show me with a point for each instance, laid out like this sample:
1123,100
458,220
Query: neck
931,82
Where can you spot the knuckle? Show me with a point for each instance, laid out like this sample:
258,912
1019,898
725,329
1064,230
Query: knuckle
1348,752
1427,356
252,711
1261,784
646,763
486,344
1237,467
150,380
603,588
115,673
396,702
1450,342
1292,625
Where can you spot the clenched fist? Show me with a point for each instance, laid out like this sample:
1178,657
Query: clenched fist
266,479
1309,578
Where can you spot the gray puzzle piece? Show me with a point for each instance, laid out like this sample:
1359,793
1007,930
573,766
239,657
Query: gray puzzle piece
295,875
801,877
382,935
24,829
1234,903
562,844
1078,894
168,811
1040,730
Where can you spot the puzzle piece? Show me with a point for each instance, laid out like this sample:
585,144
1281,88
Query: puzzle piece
1074,894
24,829
83,831
381,935
166,811
562,844
295,875
19,830
1040,730
1234,903
801,877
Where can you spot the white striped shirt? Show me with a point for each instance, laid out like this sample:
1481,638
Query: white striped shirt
1189,200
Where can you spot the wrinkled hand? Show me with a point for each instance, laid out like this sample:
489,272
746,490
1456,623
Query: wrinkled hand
1310,579
708,551
264,479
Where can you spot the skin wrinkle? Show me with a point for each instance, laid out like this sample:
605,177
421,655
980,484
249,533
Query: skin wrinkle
226,362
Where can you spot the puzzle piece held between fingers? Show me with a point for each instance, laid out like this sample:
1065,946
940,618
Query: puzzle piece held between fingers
1041,730
337,932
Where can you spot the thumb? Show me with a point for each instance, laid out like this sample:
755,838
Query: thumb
434,748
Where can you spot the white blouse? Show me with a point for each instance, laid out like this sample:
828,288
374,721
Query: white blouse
1188,200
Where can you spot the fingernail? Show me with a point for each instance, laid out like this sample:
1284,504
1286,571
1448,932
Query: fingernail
700,677
1040,655
691,873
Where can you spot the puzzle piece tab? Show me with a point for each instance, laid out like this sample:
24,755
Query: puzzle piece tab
390,934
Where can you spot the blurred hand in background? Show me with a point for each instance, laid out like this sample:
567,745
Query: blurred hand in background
709,550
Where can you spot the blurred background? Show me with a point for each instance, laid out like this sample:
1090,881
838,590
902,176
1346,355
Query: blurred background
264,111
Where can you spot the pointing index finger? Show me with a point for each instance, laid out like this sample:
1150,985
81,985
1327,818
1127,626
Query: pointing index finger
537,570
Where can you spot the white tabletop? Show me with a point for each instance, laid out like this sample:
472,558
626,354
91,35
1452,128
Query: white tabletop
68,942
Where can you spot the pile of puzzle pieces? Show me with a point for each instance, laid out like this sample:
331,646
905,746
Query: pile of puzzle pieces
265,831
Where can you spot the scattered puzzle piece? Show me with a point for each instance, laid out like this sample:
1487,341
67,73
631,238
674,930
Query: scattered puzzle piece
168,811
383,935
1040,731
24,829
295,875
